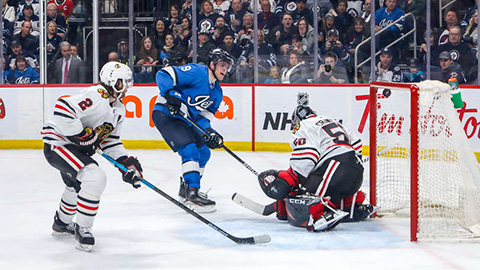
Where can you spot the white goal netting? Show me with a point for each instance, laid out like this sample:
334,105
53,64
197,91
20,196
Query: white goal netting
449,174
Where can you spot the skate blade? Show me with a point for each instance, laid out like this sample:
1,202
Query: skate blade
60,234
84,247
200,209
330,224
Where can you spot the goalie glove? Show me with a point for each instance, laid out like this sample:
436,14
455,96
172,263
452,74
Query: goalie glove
277,184
175,103
87,140
212,139
133,175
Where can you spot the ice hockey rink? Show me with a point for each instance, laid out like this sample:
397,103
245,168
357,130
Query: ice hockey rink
139,229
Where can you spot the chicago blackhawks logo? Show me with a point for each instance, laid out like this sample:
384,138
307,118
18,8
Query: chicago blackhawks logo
103,92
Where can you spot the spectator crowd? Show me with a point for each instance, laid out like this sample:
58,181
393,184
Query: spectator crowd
286,40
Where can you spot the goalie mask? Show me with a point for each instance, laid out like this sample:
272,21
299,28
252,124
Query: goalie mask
300,113
112,72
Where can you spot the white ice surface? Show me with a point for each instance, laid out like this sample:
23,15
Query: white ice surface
139,229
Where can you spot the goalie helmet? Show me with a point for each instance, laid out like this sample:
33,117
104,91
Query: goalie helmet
218,55
112,72
300,113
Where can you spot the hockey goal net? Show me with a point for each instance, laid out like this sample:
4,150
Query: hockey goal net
420,161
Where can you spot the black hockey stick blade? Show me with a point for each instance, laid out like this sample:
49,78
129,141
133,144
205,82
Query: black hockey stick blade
259,239
253,206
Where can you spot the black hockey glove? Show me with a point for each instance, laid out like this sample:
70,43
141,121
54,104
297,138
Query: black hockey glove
273,185
87,140
134,174
212,139
174,102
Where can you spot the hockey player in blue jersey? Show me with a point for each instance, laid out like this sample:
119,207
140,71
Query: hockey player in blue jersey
192,90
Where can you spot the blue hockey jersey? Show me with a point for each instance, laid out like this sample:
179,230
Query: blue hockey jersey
27,76
191,81
384,18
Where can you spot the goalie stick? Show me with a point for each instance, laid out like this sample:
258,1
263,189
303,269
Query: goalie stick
259,239
253,206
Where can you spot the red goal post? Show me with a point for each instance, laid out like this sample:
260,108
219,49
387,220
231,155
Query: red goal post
420,160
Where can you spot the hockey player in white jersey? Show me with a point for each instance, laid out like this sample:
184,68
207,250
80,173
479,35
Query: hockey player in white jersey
79,125
321,187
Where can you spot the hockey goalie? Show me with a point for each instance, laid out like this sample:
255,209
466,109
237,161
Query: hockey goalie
321,187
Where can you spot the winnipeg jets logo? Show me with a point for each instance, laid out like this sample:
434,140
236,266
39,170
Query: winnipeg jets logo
200,103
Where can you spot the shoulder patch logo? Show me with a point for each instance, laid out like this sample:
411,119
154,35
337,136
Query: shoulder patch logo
103,92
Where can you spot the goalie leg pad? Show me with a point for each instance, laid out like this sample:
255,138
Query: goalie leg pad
300,208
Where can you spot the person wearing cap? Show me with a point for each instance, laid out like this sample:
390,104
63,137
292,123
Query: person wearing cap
328,24
283,33
27,15
416,74
21,5
460,52
122,50
267,20
334,45
229,46
450,68
386,70
17,49
204,46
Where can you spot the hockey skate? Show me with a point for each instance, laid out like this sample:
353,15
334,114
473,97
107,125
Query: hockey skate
329,220
61,228
195,199
361,212
84,237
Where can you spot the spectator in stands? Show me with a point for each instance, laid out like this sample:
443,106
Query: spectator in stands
302,12
328,24
68,69
184,35
295,72
58,18
416,74
471,33
450,68
7,32
273,75
27,15
460,52
206,18
220,29
8,12
451,19
298,46
267,20
386,70
343,20
334,45
204,46
167,54
330,72
417,8
22,3
122,50
173,18
17,50
422,53
158,36
23,73
74,51
53,41
113,57
247,28
355,35
231,47
28,41
306,31
221,6
367,10
147,59
266,54
187,9
6,71
273,5
235,15
64,7
383,18
323,7
282,34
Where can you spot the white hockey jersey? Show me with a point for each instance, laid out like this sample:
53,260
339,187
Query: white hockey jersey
317,139
90,108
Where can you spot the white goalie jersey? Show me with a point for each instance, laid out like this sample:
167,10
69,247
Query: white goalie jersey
317,139
90,108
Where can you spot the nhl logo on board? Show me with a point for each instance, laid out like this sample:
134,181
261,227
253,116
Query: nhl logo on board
302,99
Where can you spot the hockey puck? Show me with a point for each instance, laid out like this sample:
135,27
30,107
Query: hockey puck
386,92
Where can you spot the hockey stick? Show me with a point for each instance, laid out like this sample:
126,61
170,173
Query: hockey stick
253,206
260,239
186,117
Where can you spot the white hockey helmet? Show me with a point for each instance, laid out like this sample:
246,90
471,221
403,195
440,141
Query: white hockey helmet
112,72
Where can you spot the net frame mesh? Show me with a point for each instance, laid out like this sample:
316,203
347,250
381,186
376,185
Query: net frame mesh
448,171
